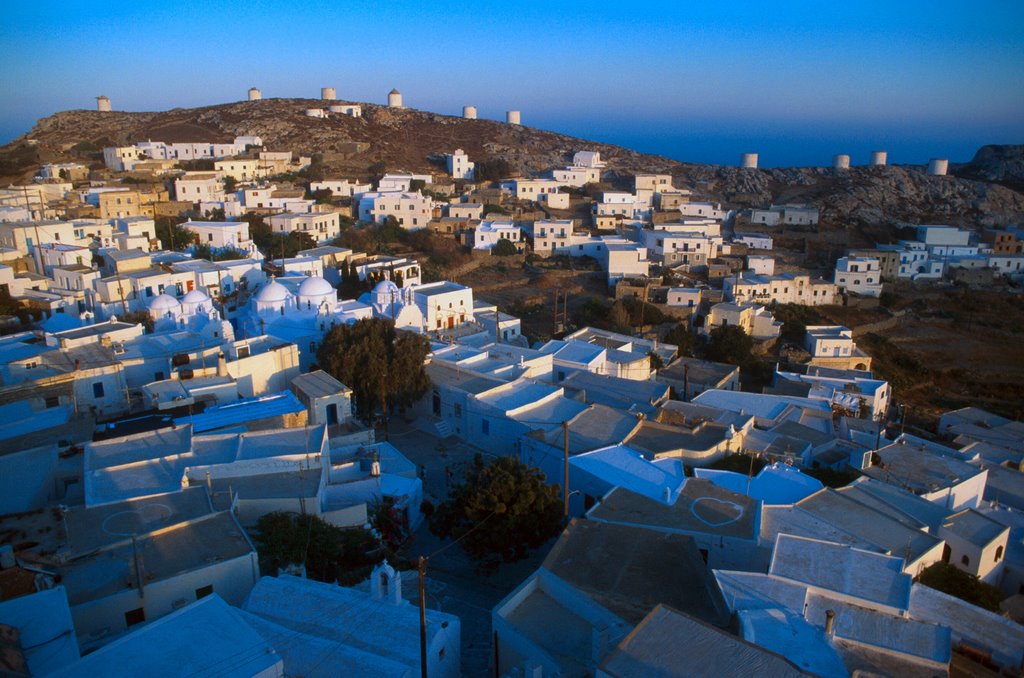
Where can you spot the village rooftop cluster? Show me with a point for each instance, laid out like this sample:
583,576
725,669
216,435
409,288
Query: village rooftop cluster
157,404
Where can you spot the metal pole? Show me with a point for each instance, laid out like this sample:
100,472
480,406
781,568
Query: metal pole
422,568
565,470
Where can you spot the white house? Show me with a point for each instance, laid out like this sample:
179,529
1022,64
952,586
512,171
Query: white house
859,275
684,297
576,176
444,304
761,264
222,234
323,227
531,189
401,181
588,159
787,288
755,320
340,188
975,543
459,165
756,241
199,187
412,210
241,169
551,236
488,233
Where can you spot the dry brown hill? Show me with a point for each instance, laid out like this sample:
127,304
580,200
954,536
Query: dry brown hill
871,198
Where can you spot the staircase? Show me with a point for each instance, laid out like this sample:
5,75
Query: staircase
443,428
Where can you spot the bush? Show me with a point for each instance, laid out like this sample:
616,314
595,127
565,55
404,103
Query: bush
954,581
504,248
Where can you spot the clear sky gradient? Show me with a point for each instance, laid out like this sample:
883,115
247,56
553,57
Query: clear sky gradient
793,81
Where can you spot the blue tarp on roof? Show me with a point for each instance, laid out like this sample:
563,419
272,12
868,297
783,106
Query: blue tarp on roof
247,409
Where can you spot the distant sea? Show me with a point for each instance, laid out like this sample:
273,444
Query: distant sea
775,148
721,143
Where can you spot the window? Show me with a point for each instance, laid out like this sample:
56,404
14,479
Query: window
965,560
999,554
204,591
97,389
133,617
54,401
458,410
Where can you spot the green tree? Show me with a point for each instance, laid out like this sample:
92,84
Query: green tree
329,553
173,235
510,502
682,336
323,196
383,367
391,230
504,248
954,581
230,184
729,344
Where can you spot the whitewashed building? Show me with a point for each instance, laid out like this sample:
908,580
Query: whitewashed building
323,227
488,233
859,275
459,165
412,210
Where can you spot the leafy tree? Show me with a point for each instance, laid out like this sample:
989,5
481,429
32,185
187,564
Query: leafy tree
656,362
504,248
323,196
389,522
230,184
391,230
683,337
173,235
416,185
954,581
795,318
382,366
511,503
729,344
329,553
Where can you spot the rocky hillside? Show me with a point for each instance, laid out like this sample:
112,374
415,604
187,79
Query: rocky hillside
985,191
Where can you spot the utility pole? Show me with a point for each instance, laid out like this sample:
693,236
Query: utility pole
421,566
565,471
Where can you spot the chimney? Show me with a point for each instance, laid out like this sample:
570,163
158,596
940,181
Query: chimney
222,365
209,482
830,618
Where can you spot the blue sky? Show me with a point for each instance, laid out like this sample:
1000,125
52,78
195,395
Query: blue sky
794,81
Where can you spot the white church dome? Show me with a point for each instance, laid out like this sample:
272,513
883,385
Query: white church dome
273,292
315,286
163,303
195,297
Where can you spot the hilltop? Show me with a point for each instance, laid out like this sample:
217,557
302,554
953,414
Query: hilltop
983,192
